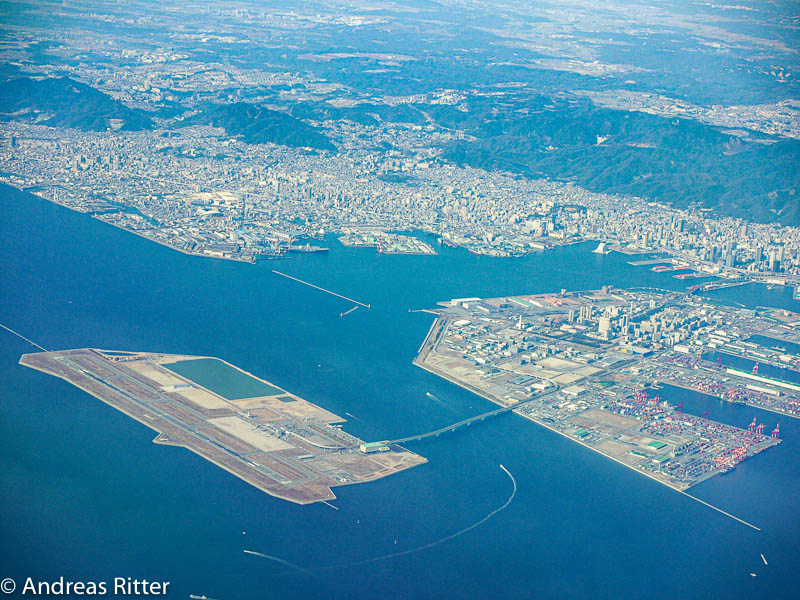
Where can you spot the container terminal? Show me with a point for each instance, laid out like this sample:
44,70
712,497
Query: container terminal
589,365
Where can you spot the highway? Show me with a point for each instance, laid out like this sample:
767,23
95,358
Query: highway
435,334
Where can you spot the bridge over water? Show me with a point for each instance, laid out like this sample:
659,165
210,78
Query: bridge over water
460,424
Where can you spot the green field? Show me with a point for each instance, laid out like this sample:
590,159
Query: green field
219,377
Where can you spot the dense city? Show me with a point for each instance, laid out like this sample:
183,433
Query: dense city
202,192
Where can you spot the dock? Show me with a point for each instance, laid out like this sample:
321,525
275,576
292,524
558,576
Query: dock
650,261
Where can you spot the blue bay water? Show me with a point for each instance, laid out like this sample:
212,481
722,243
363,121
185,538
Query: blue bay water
87,495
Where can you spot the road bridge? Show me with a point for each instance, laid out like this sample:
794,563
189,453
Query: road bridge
460,424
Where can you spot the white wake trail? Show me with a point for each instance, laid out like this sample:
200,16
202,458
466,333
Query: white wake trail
414,550
439,541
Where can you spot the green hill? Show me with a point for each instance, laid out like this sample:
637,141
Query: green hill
675,161
67,103
256,124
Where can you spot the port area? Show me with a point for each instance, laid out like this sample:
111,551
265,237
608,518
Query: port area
262,434
666,264
386,243
588,365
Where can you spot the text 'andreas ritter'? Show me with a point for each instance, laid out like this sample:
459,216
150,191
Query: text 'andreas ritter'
120,586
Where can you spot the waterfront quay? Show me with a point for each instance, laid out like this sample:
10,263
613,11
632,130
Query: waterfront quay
386,243
588,365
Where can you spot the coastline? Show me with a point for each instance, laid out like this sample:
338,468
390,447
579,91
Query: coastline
490,398
121,228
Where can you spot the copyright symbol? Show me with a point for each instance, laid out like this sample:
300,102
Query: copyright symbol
8,585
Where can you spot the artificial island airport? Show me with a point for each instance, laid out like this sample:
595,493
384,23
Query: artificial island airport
270,438
588,365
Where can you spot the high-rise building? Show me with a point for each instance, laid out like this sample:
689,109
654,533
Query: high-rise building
604,326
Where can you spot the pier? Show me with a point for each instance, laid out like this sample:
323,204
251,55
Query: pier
423,310
650,261
321,289
719,285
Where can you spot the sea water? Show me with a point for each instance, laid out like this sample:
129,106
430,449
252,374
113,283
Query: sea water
87,496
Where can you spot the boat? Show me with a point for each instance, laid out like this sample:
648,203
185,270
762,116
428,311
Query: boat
308,248
269,256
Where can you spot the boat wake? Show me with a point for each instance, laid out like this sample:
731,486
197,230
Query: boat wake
279,560
441,540
414,550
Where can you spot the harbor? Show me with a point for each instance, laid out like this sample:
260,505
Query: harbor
588,370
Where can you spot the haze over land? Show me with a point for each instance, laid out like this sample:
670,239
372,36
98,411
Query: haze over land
695,105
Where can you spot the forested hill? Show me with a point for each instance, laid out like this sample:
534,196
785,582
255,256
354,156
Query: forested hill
68,103
256,124
676,161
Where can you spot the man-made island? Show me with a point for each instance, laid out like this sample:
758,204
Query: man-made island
591,365
270,438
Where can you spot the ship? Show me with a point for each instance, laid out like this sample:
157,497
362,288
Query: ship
270,255
308,248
